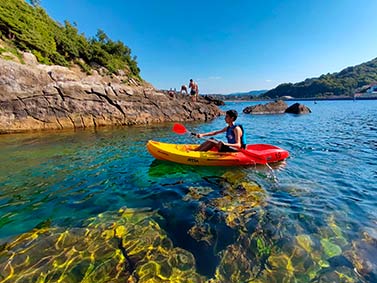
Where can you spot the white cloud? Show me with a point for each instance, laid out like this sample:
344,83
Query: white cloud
214,78
210,78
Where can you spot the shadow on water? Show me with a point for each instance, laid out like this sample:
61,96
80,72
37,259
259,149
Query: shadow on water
161,168
178,221
179,217
211,212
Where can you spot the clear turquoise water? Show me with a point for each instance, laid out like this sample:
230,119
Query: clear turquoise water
67,177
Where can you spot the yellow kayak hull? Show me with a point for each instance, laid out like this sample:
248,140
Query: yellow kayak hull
184,154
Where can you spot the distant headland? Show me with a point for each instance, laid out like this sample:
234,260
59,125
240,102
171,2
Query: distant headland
356,82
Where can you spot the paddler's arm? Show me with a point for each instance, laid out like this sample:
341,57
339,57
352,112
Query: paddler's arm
211,133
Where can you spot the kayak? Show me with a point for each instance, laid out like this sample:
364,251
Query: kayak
185,154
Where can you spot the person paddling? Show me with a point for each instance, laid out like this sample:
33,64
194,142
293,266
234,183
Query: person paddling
234,133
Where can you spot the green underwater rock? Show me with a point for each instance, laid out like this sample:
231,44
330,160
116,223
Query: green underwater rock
196,193
241,200
330,249
58,255
363,256
239,263
242,206
305,242
128,246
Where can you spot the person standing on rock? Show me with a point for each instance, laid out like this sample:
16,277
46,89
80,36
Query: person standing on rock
194,90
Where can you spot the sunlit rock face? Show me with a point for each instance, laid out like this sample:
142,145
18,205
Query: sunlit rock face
38,97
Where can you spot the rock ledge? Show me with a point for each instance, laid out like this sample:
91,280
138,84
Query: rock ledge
39,97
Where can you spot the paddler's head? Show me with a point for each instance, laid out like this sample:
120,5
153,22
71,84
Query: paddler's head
231,114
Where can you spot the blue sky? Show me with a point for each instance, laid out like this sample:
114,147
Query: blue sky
231,46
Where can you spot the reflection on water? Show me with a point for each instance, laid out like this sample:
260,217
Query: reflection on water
309,219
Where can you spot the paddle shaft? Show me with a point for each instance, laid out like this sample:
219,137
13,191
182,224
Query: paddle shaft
203,138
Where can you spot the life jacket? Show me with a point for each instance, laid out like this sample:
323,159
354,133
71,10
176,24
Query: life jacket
231,137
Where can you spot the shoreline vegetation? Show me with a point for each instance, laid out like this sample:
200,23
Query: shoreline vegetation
28,28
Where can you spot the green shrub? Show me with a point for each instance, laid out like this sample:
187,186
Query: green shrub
41,59
30,28
84,67
58,59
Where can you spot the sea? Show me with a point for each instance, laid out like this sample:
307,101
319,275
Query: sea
311,218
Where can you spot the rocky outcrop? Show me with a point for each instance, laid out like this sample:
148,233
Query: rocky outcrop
214,100
298,108
276,107
37,97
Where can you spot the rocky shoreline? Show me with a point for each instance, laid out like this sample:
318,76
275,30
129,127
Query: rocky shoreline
40,97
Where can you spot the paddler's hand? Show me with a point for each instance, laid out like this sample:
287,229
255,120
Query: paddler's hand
199,136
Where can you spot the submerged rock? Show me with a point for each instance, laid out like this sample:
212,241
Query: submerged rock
125,247
58,255
363,256
234,213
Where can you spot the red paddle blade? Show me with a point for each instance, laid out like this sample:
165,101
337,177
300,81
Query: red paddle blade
179,129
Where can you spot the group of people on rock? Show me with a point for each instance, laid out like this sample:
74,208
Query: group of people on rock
194,90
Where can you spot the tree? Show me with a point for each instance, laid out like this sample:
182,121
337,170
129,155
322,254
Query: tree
35,3
101,36
28,27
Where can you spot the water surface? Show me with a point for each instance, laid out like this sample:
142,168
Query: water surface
318,212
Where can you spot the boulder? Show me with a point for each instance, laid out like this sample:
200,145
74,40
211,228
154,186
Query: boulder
29,58
211,99
276,107
298,108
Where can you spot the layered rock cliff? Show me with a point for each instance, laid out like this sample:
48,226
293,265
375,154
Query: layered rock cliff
37,97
